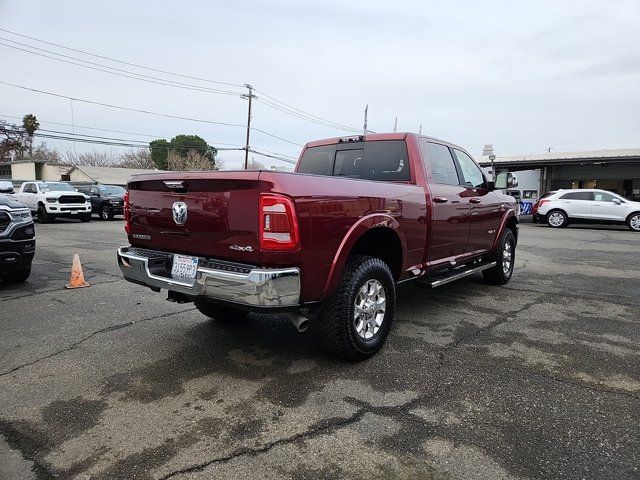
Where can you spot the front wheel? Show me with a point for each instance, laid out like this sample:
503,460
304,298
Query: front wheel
557,219
106,214
16,276
504,257
355,323
633,222
43,216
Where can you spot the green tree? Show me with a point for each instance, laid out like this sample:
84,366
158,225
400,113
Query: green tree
159,152
30,124
182,146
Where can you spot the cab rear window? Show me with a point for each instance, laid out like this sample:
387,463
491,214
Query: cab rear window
382,160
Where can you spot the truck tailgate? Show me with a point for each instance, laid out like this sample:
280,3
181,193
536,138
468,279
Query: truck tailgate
221,214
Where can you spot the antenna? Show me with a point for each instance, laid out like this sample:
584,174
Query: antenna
366,112
420,131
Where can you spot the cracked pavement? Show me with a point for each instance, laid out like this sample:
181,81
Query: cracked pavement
536,379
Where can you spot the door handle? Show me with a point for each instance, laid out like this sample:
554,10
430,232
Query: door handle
440,199
475,200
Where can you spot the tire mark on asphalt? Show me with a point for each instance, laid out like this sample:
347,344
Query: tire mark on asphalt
75,345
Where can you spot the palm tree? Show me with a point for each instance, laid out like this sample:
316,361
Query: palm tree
30,124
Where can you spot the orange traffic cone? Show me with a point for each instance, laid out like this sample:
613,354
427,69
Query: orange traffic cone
76,280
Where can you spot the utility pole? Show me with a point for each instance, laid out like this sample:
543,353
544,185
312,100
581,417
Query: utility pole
395,125
366,111
420,132
246,147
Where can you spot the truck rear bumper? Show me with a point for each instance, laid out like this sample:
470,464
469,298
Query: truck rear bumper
246,286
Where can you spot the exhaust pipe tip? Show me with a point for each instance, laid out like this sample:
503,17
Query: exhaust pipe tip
299,321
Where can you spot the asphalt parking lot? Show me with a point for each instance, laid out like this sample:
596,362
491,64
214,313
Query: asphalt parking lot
536,379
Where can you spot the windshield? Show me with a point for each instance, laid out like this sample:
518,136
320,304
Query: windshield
111,190
56,187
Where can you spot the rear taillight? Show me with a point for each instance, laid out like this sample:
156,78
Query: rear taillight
537,205
127,214
278,223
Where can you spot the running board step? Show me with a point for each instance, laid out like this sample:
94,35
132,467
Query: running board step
452,277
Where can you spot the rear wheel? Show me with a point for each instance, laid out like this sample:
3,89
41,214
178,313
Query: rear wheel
16,276
220,313
43,216
557,219
355,323
504,257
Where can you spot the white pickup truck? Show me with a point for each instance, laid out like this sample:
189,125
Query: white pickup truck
54,199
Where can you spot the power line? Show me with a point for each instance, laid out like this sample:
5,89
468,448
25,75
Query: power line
147,135
126,74
148,112
302,112
275,103
275,136
119,107
277,157
131,64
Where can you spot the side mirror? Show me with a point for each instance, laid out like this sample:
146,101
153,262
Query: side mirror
506,180
617,201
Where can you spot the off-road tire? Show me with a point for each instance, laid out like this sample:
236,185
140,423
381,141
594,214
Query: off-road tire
565,221
497,275
630,219
16,276
43,216
220,313
335,320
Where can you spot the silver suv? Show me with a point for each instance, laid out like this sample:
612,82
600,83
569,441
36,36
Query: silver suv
562,207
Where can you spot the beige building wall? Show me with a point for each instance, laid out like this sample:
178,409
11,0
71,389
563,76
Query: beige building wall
78,175
23,171
53,173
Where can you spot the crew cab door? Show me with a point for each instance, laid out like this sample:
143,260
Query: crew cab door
449,203
28,195
486,210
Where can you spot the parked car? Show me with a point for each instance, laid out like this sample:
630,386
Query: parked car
17,240
328,242
6,187
106,200
50,200
560,208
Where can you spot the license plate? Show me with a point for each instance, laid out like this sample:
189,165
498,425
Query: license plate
184,266
74,212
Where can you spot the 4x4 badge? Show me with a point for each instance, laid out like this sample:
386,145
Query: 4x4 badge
179,210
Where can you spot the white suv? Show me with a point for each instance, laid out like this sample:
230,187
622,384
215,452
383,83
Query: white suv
562,207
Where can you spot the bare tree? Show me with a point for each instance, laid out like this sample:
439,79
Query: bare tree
191,162
253,164
43,152
93,159
140,158
13,141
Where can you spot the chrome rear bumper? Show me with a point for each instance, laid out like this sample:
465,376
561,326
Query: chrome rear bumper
254,287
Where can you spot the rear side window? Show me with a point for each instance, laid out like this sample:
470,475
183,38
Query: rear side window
383,160
443,168
577,196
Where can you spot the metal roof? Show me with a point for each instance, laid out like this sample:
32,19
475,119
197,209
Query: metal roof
553,158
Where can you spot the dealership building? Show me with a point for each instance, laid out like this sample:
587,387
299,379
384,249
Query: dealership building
614,170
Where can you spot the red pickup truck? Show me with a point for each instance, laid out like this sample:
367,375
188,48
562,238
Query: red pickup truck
328,242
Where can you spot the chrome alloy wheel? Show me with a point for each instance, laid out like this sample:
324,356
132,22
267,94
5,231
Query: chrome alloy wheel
556,219
634,222
369,308
507,257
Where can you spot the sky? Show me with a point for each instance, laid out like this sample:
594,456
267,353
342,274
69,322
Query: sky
524,76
